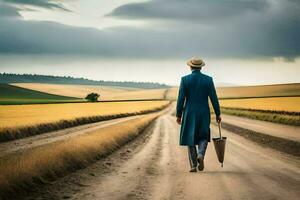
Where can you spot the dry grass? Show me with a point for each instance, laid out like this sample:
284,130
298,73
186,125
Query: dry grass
140,94
290,104
17,121
172,93
12,116
259,91
22,170
79,91
250,91
270,116
106,93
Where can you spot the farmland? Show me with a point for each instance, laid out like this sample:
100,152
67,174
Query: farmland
106,93
261,91
49,161
19,120
281,97
15,95
275,103
172,93
78,91
278,90
284,110
289,104
42,158
23,115
140,94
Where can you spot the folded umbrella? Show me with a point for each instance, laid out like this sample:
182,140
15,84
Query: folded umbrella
220,144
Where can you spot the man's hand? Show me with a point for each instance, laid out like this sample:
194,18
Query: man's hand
178,120
219,119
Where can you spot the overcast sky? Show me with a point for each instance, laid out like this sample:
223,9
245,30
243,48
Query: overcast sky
242,41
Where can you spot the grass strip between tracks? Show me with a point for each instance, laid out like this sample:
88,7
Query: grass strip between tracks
21,171
8,134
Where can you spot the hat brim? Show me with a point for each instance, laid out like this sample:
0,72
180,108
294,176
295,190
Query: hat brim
189,63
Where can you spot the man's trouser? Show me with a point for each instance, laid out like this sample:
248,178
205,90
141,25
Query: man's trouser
193,154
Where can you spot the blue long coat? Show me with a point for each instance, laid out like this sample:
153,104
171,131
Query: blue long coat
193,107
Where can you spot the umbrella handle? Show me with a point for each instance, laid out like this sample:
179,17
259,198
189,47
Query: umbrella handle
219,124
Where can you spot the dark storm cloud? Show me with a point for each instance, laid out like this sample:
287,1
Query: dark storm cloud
239,27
47,37
193,10
41,3
8,11
225,29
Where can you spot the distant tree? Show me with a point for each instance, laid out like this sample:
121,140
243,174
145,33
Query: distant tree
93,97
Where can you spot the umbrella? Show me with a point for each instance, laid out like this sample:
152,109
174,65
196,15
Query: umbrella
219,144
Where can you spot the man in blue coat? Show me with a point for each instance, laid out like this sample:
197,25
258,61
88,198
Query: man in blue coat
193,112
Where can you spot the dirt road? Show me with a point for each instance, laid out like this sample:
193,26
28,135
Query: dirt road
278,130
155,167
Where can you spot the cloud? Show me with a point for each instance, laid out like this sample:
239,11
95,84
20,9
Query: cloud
249,29
239,27
40,3
194,10
8,11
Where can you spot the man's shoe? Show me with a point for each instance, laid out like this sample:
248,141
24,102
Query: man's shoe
200,160
193,169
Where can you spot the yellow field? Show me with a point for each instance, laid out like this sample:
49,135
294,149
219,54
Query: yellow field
291,104
115,93
259,91
12,116
79,91
172,93
140,94
251,91
106,93
45,161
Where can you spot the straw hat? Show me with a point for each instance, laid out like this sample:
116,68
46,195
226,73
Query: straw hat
196,62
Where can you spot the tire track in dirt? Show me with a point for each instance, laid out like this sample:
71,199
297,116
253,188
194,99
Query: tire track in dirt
131,180
147,173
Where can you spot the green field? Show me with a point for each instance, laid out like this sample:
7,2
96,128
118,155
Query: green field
15,95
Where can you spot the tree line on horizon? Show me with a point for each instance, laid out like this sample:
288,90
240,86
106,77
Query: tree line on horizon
36,78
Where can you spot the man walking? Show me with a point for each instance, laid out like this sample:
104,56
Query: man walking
193,112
